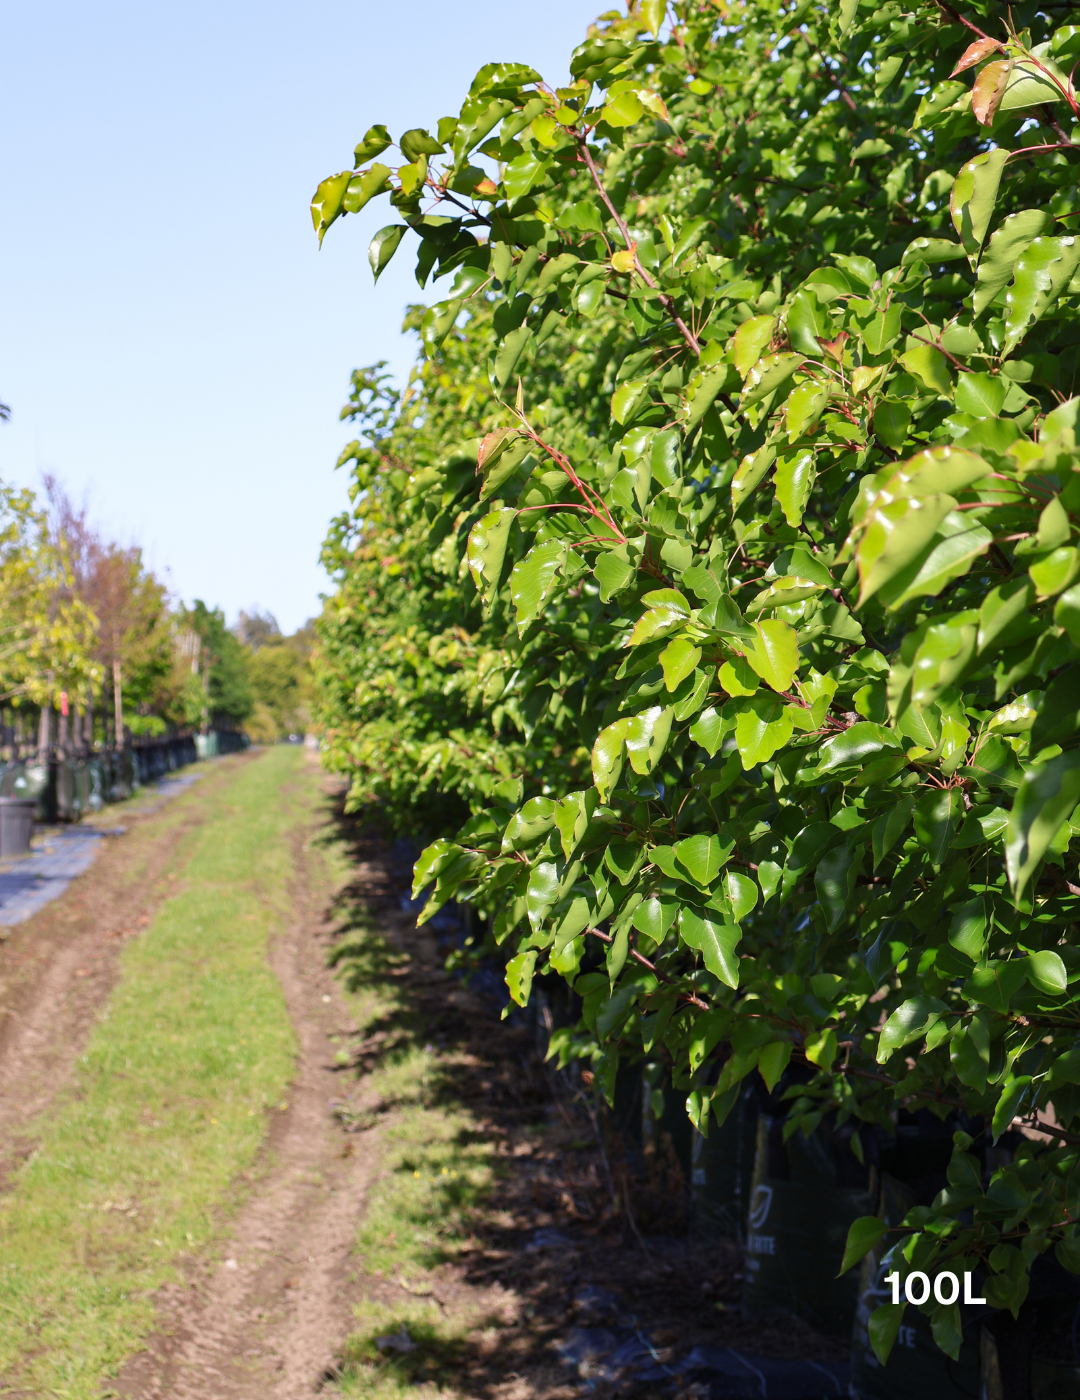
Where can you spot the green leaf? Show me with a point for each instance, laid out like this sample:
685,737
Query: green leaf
654,916
703,856
834,881
511,351
863,1235
1067,613
928,364
486,551
749,473
773,1060
522,174
613,572
708,730
628,398
678,660
364,187
383,247
774,653
969,1052
658,622
891,421
327,201
607,757
1058,718
1043,271
768,374
973,197
805,405
1032,84
1046,796
967,931
981,395
1055,572
1006,244
646,738
623,109
533,577
716,942
651,14
750,340
1008,1104
884,1327
519,976
543,890
907,1023
882,330
890,827
938,815
1046,973
742,894
762,727
794,481
376,139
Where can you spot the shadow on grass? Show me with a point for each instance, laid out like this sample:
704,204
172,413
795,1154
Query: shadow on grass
497,1232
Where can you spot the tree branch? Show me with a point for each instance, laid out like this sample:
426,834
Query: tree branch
665,301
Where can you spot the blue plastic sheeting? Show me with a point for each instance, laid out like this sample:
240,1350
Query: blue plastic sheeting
32,881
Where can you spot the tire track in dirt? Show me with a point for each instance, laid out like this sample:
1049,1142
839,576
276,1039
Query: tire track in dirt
263,1323
58,968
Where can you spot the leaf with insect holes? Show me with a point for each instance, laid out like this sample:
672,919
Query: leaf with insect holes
974,194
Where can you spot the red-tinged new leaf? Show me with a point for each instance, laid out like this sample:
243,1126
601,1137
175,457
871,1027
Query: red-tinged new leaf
989,89
975,53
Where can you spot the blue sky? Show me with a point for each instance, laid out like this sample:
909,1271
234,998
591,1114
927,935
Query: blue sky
172,343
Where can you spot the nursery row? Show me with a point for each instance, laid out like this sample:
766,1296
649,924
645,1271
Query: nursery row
709,608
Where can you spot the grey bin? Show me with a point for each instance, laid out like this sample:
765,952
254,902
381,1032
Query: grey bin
16,825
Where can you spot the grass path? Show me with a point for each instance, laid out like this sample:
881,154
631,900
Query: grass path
169,1103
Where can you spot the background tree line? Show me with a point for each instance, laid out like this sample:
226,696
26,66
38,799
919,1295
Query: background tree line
94,650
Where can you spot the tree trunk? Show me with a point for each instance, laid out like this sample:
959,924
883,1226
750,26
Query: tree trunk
118,707
44,735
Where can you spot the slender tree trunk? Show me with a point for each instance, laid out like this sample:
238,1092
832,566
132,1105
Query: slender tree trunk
44,735
118,706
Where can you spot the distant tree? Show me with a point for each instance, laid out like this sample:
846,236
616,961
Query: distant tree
221,662
134,645
257,629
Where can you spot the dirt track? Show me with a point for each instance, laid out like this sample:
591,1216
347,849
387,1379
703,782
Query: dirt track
266,1319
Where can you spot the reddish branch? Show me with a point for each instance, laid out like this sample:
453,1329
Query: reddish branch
665,301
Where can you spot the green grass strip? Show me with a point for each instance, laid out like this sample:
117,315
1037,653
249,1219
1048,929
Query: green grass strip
169,1102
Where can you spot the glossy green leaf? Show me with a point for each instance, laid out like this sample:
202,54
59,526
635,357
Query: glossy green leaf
1006,244
907,1023
1042,272
487,551
715,941
533,578
974,195
863,1235
774,653
383,247
1044,799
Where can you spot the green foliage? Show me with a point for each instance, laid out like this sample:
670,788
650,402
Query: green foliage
223,694
771,514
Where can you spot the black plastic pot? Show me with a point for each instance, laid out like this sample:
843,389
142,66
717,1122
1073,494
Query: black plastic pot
804,1195
16,825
